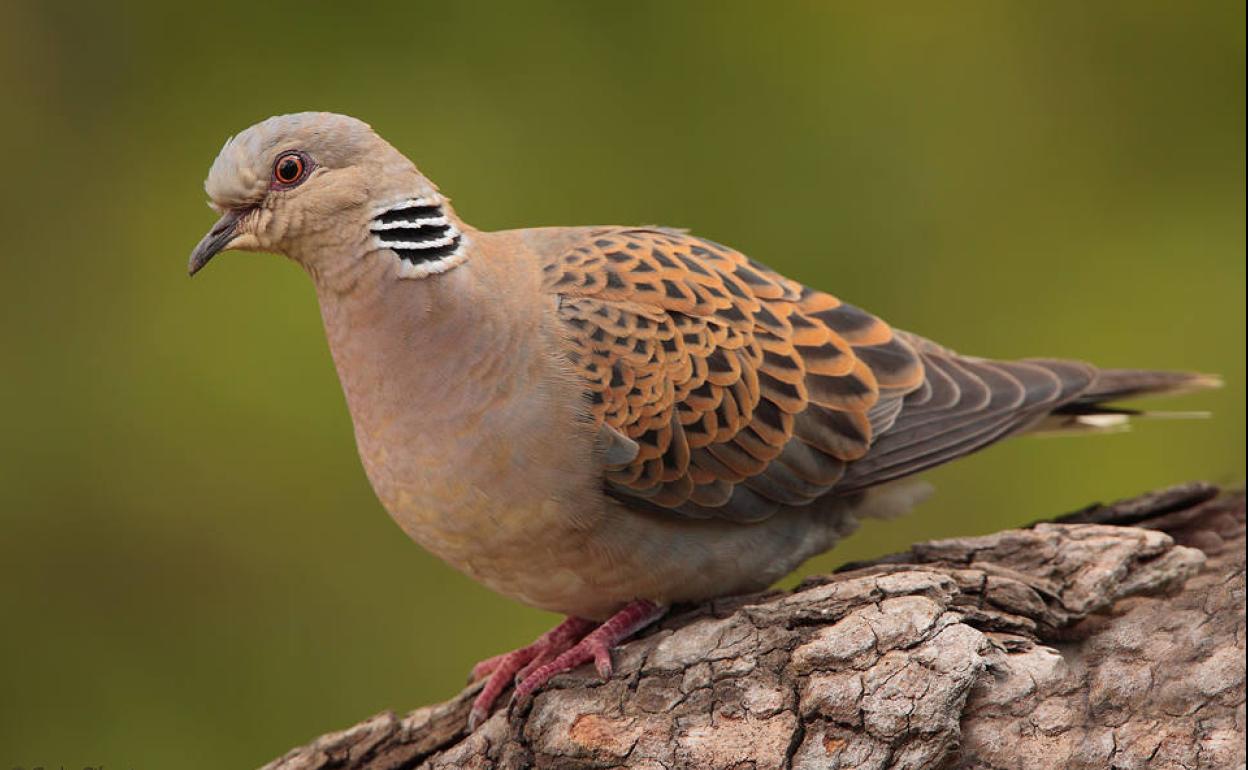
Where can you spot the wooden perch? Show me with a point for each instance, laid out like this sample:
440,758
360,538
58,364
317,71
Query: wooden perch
1081,643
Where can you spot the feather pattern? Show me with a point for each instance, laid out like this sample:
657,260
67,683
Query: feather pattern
745,391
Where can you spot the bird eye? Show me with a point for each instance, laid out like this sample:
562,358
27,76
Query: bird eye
289,168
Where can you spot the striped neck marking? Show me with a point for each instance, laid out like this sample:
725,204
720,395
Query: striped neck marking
420,233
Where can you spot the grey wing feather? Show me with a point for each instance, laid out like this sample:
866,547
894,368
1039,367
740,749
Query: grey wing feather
963,405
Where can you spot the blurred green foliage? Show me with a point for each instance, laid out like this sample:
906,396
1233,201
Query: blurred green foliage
194,572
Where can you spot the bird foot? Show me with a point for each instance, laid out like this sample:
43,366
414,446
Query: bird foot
564,647
501,670
595,646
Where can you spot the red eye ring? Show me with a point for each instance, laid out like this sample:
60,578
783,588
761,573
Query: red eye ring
289,168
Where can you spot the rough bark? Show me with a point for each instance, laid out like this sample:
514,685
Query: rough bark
1078,643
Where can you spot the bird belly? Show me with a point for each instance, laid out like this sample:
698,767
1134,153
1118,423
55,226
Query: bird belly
585,554
544,563
668,558
522,528
592,571
549,537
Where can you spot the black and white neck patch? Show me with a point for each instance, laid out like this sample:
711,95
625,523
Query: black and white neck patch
421,234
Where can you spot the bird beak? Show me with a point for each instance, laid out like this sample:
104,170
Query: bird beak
218,239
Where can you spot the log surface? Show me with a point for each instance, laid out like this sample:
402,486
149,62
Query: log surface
1110,638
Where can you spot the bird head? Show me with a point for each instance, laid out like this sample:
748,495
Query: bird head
326,191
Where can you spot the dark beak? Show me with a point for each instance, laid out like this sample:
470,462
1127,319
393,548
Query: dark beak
217,239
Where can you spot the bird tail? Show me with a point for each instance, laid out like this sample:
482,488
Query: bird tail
1091,411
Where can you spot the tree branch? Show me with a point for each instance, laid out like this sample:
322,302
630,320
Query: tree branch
1075,643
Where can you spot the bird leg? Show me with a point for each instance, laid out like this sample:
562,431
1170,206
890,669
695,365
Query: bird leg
563,648
485,667
595,646
502,669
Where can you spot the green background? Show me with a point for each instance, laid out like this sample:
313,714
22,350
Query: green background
194,572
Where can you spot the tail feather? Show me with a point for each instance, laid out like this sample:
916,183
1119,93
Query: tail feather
965,404
1115,384
1090,412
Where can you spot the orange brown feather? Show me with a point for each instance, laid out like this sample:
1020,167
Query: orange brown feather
744,390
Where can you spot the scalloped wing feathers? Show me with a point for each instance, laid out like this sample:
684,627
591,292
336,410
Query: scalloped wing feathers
743,390
727,390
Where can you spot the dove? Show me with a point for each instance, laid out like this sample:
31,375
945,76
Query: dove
606,421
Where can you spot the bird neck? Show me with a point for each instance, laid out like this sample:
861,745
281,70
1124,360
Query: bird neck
413,354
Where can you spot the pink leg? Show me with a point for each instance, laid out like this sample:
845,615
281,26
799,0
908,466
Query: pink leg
596,646
487,666
501,669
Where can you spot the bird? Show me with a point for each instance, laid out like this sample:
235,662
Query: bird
606,421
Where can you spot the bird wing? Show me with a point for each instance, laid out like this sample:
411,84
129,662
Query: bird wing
743,391
962,405
723,389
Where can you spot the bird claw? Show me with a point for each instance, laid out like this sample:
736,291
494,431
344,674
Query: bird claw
602,662
500,670
476,717
565,647
595,646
